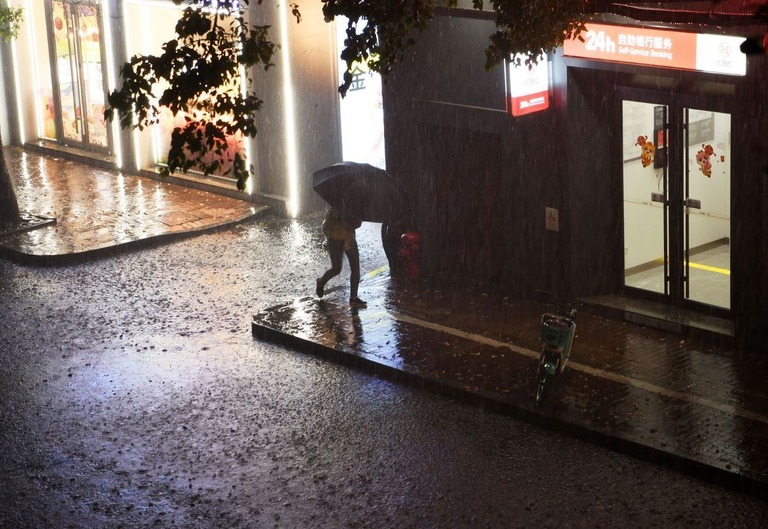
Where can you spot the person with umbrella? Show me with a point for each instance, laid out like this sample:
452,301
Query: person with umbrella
357,192
340,232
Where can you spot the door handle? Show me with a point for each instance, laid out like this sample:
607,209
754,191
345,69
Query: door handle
658,197
693,203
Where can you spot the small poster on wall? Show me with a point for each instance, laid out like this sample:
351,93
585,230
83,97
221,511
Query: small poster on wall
637,127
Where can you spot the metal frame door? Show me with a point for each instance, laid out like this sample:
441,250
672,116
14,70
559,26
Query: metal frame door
661,209
79,85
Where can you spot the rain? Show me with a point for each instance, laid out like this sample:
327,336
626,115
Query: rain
135,395
169,357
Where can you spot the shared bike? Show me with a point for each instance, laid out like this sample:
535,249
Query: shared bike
558,329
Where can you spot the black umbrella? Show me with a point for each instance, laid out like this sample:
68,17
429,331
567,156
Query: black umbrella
362,191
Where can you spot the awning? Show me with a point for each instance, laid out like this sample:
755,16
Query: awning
713,12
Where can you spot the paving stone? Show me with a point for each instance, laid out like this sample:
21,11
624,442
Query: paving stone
97,210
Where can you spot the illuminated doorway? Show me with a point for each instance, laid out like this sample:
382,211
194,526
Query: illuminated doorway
79,87
677,202
361,112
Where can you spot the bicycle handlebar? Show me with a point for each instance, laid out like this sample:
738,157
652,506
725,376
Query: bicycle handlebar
562,308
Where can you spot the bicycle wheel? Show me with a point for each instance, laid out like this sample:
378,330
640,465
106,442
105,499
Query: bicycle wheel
543,380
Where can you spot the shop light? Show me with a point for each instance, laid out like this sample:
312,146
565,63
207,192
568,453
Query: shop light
111,84
289,116
16,76
249,186
129,46
19,108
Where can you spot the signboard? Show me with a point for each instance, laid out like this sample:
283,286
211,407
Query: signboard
529,87
658,47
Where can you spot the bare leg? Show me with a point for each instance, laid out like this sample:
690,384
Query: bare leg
336,253
353,256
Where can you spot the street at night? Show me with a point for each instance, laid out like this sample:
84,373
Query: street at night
355,264
134,395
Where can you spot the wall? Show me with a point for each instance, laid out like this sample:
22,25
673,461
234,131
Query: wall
593,183
291,145
480,179
749,188
6,96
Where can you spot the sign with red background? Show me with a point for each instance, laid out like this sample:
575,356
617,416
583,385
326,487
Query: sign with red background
658,47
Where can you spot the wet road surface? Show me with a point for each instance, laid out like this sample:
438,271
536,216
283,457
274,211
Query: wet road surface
133,395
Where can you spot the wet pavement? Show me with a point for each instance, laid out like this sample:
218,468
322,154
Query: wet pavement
657,396
684,403
76,212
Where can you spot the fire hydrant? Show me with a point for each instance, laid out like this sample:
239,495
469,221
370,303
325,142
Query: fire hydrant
409,253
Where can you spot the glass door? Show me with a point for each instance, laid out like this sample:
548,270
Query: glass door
646,191
79,85
676,190
707,207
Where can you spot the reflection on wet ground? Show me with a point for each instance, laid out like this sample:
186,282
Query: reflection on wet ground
646,391
105,210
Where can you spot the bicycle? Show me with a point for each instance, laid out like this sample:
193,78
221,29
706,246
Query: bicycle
558,329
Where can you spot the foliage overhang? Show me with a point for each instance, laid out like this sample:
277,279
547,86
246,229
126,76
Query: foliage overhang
201,75
379,32
216,50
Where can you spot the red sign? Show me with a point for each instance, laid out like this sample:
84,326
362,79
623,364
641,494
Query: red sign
521,106
658,47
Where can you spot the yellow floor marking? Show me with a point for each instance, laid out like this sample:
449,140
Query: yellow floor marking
377,271
710,268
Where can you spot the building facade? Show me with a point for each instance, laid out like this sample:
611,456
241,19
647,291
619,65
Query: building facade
635,179
626,169
67,58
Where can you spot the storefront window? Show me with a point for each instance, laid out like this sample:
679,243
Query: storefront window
168,122
158,24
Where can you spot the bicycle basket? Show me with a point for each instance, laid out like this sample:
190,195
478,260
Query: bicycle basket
555,330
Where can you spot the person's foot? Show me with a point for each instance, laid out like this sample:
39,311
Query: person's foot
357,302
319,289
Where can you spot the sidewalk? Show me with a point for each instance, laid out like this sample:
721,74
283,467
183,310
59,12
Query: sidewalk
641,391
104,213
645,392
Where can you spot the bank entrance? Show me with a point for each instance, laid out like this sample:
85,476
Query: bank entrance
676,159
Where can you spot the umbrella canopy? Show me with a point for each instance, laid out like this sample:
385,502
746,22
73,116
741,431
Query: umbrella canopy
360,190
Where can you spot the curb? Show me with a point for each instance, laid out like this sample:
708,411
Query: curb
24,258
496,404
